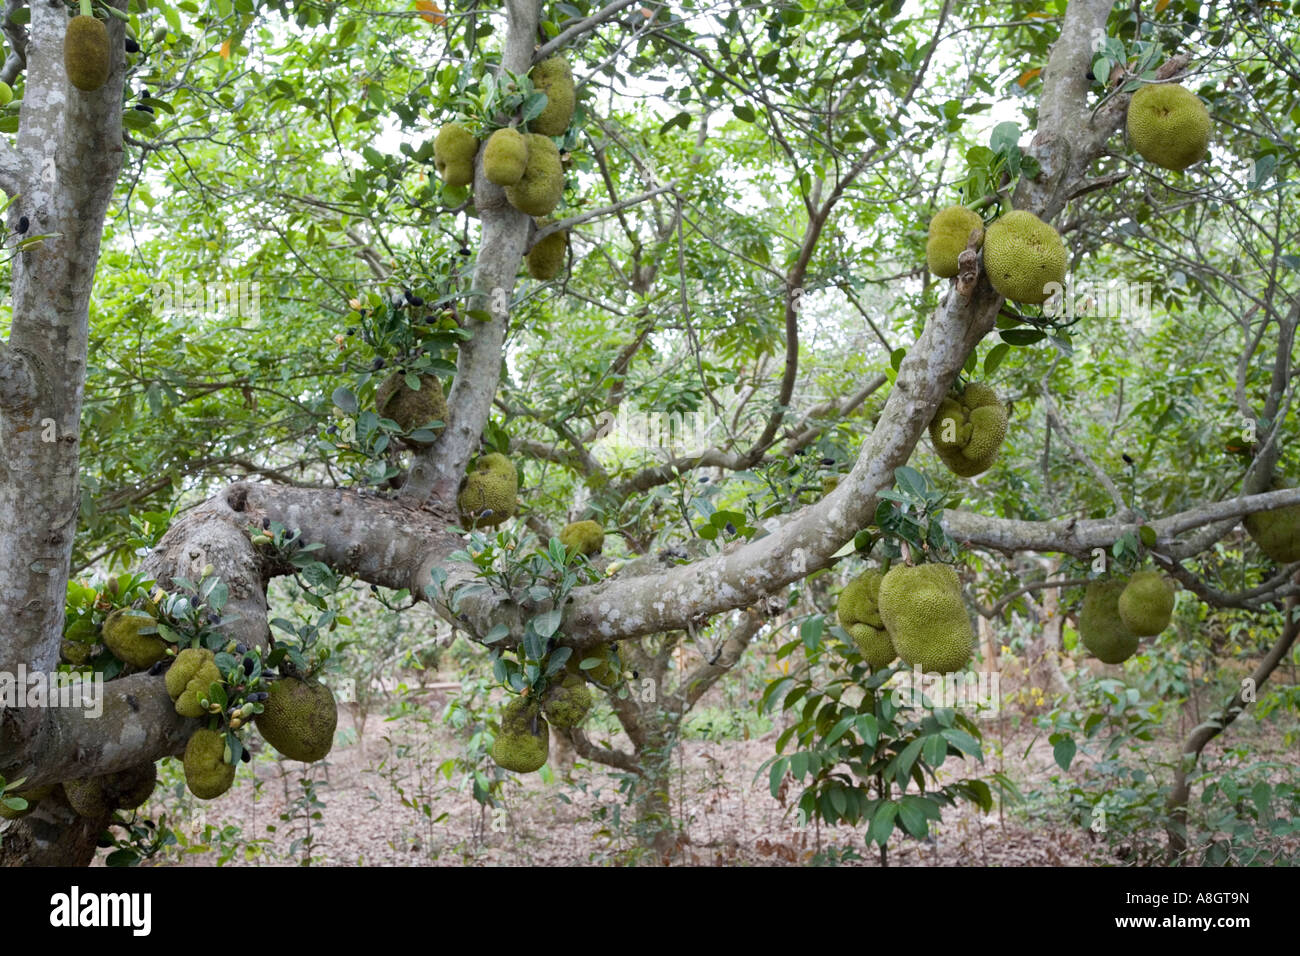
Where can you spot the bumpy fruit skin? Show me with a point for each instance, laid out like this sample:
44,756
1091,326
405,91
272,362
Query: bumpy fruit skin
524,742
505,156
86,796
85,53
487,497
454,149
190,678
1276,533
950,231
542,186
566,704
859,614
968,430
1104,632
206,772
1168,125
926,618
608,672
130,788
74,652
583,537
1147,603
411,410
122,636
546,257
1022,256
299,718
554,78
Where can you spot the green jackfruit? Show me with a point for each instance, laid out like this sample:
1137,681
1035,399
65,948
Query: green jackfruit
122,636
190,679
1276,532
299,718
1103,631
206,772
1022,256
487,496
566,704
830,483
554,78
32,796
505,156
583,537
968,430
610,669
122,790
411,410
85,53
950,231
542,186
926,618
524,741
454,149
1168,125
546,257
1147,603
86,796
859,614
74,652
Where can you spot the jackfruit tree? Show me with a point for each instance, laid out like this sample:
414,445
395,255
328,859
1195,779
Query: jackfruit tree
784,246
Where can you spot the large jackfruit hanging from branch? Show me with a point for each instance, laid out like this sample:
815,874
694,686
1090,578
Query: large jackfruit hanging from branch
1023,256
923,610
859,613
1168,125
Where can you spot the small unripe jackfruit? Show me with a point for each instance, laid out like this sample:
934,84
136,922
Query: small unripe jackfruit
298,719
554,78
546,257
1168,125
859,614
566,704
505,156
950,231
583,537
411,410
122,636
1147,603
1276,533
609,671
85,53
1103,631
926,618
487,496
542,185
206,772
968,430
525,739
190,679
454,149
1022,256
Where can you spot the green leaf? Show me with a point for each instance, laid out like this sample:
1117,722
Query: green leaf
1022,337
994,359
1004,137
882,824
546,623
743,112
1064,751
345,400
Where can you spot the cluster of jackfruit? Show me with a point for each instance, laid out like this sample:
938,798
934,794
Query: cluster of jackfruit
566,704
85,53
298,719
454,149
1022,256
583,537
409,408
1276,532
524,741
122,635
1168,125
1118,611
950,231
859,613
207,773
190,679
100,796
488,493
33,796
541,186
546,258
1103,631
923,611
968,430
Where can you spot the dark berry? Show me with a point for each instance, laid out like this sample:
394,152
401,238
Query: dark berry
156,669
132,46
248,665
245,756
266,524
